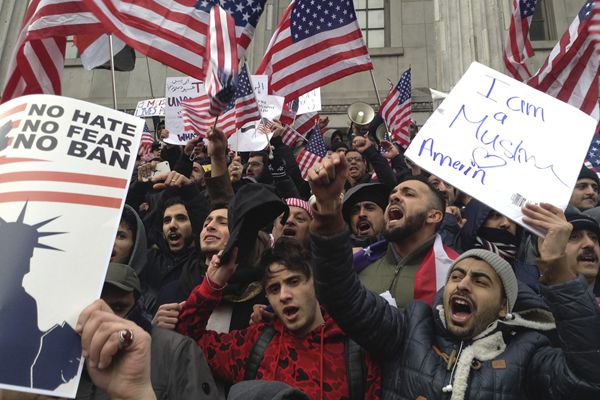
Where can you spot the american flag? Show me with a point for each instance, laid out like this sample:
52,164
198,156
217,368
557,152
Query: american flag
570,73
37,62
306,122
517,48
264,126
592,159
313,153
146,142
240,111
288,113
396,110
222,60
290,136
316,42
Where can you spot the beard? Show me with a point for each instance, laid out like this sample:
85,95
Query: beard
412,224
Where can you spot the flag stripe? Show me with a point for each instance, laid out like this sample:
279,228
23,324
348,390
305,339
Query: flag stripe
95,180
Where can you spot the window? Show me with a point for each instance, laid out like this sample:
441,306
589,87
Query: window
71,50
542,22
371,19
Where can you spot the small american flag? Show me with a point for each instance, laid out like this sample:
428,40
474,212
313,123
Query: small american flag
592,159
240,111
264,126
570,73
288,113
290,136
517,48
222,59
314,151
316,42
396,110
146,142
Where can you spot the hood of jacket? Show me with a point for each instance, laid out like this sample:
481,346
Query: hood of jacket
137,259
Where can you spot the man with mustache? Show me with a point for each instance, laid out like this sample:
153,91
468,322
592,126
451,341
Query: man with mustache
583,250
363,211
483,338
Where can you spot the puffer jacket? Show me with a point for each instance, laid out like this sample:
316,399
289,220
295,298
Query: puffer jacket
314,363
507,361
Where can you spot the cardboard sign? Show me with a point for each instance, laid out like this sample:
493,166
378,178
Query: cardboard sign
150,108
65,166
177,90
260,84
504,143
310,102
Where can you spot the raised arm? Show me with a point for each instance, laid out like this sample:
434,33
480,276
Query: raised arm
366,317
571,370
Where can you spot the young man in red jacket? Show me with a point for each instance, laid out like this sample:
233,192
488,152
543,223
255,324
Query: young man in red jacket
302,346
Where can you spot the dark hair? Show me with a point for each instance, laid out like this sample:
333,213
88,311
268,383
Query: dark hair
263,154
438,200
288,252
128,218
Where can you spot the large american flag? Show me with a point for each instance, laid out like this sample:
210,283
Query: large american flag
170,31
396,110
240,111
570,73
222,60
517,48
316,42
313,153
37,62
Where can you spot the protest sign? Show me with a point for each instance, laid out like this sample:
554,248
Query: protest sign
270,107
309,102
504,143
260,84
65,166
248,138
179,89
150,108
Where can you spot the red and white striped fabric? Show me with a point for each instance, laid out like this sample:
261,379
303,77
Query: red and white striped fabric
313,152
38,59
288,112
174,32
94,50
570,73
222,60
305,122
240,111
290,136
146,141
517,48
396,110
314,44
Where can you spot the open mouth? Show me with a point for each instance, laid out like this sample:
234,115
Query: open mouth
289,232
395,214
290,312
587,257
363,227
210,238
461,308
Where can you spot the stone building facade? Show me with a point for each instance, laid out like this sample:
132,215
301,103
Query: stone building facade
438,39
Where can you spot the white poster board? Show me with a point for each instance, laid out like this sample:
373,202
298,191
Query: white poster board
179,89
260,84
270,106
65,166
504,142
150,108
309,102
248,138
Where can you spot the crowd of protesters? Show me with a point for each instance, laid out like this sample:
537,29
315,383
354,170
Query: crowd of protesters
236,278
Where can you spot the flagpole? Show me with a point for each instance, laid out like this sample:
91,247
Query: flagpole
149,77
112,71
387,129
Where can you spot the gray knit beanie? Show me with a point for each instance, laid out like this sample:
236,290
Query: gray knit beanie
502,268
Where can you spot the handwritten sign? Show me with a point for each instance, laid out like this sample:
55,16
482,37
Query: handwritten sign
260,84
504,143
150,108
270,106
177,90
65,167
309,102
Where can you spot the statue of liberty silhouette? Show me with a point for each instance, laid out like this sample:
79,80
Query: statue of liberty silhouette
30,357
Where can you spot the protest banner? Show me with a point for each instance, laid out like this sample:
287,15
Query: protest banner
179,89
504,143
309,102
260,84
65,166
150,108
